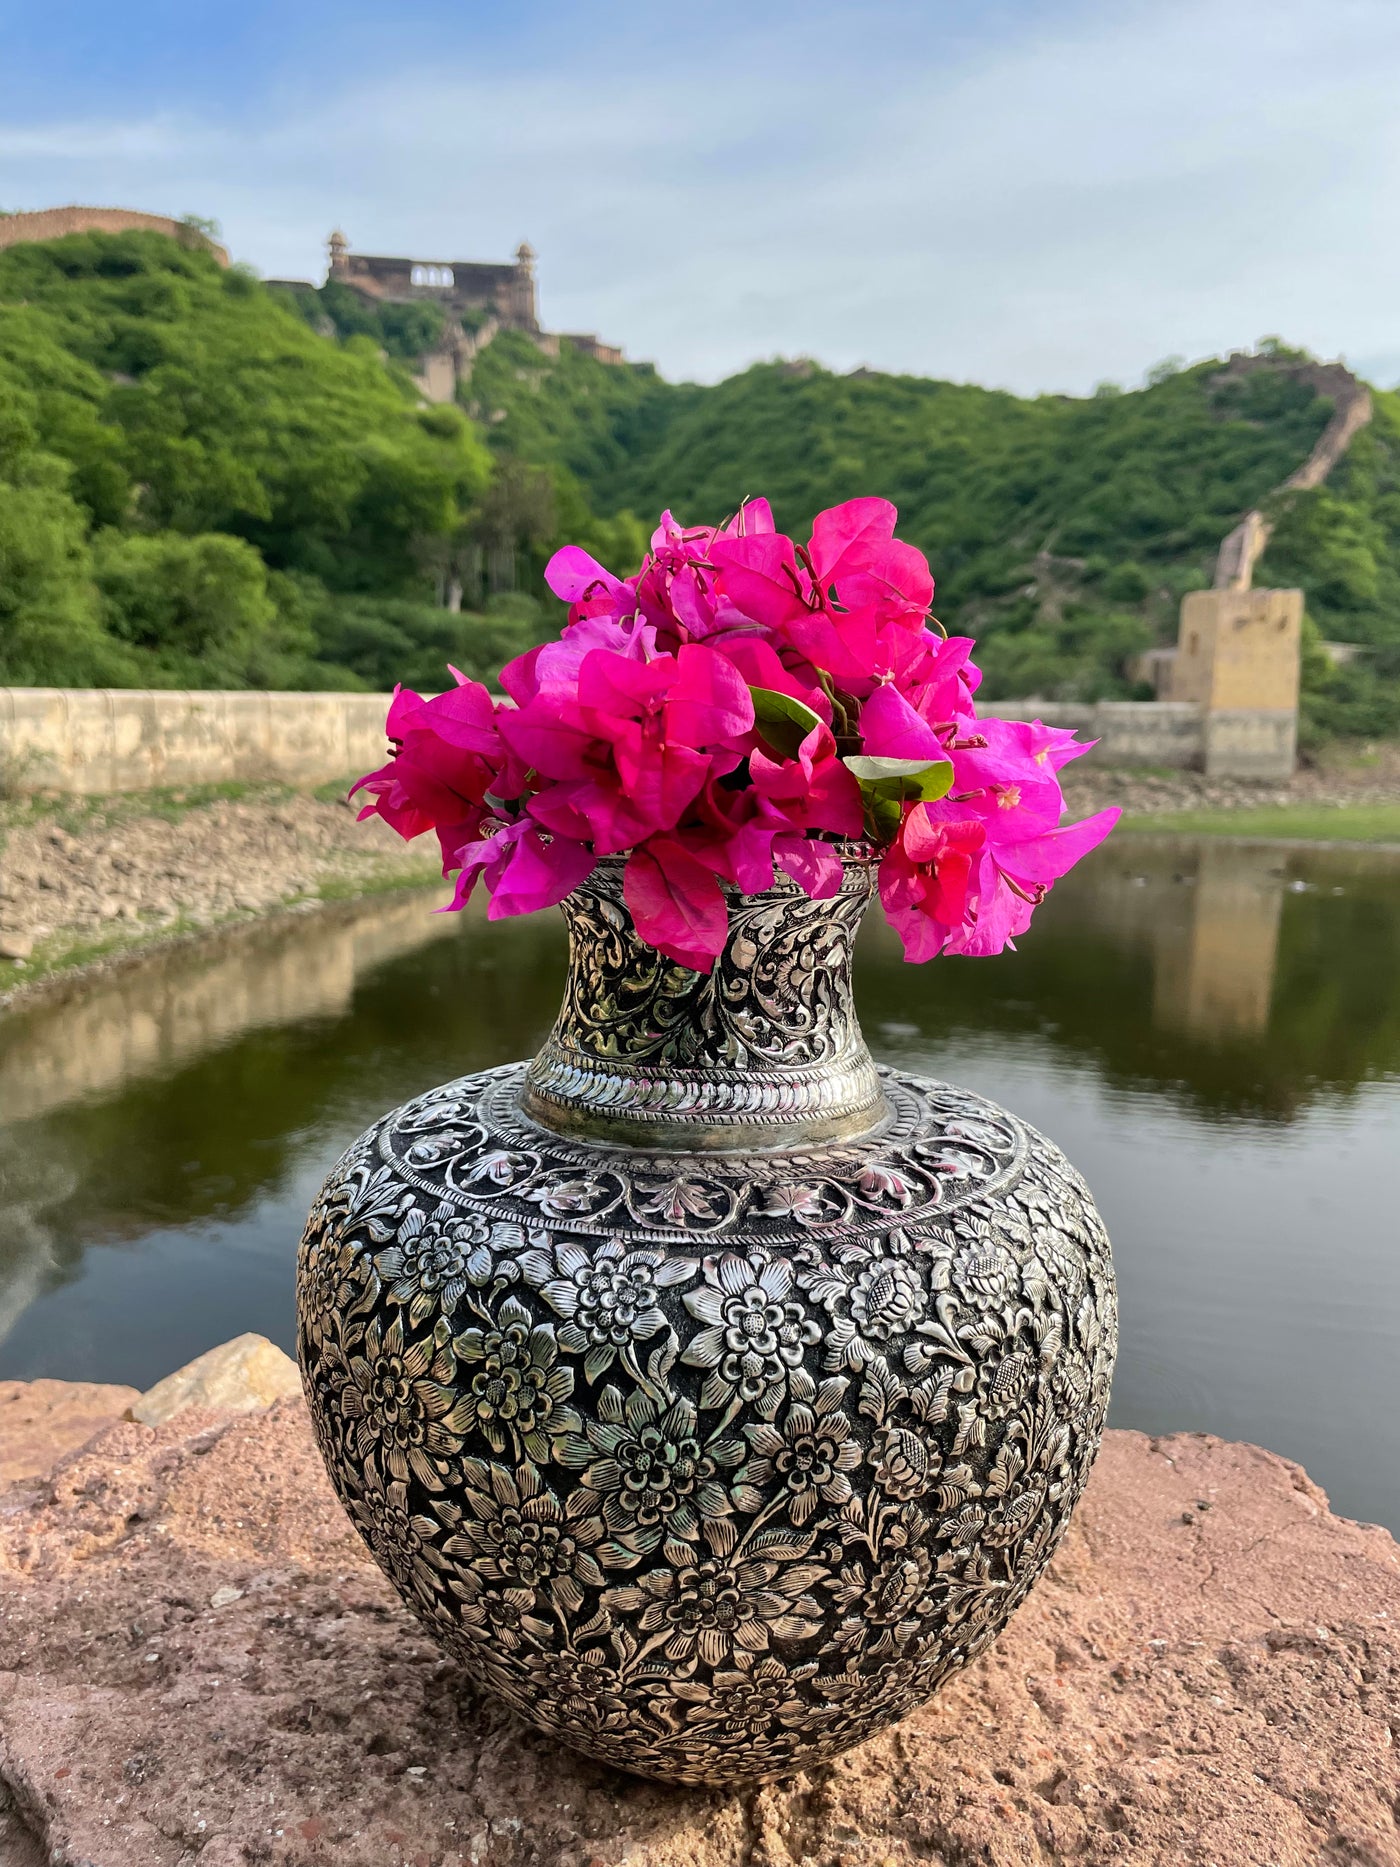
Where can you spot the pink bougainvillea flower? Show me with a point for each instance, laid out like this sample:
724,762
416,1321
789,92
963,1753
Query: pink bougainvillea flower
890,728
855,552
675,587
814,790
761,580
547,735
942,686
675,902
847,537
1027,748
816,867
862,650
449,756
653,726
575,577
633,742
523,871
777,817
1016,867
760,664
752,519
925,877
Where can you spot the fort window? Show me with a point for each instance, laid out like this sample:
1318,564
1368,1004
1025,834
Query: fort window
430,275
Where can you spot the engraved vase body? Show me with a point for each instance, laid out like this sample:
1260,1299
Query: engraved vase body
708,1392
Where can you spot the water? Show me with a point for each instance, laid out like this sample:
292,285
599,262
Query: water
1212,1032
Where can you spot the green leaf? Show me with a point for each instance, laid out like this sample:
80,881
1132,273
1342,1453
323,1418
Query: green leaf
782,722
922,779
882,815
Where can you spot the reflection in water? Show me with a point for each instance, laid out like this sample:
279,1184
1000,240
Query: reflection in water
1214,975
150,1019
1212,1032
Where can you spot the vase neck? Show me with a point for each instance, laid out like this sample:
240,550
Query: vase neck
765,1051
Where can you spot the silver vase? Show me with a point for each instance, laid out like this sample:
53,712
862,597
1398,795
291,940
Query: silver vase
708,1392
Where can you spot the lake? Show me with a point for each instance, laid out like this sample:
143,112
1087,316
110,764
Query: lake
1211,1030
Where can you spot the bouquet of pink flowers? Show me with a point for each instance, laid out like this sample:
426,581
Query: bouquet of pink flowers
742,702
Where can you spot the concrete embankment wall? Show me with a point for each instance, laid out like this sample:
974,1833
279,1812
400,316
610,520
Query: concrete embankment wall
1235,742
95,740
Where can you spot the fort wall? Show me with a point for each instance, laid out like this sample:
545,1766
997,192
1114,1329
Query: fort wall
52,223
89,741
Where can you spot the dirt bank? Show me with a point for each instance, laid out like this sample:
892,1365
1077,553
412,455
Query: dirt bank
86,882
83,882
1330,785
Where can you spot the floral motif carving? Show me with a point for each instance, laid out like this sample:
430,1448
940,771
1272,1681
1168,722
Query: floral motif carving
714,1483
710,1463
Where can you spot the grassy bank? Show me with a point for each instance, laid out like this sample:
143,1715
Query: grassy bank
1301,822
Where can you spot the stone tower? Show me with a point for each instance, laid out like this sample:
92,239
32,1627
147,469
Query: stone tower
339,248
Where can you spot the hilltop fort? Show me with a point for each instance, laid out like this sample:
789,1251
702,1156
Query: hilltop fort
479,297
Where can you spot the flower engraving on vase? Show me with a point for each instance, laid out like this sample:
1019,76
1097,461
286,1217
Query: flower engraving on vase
433,1259
755,1333
728,1469
651,1468
516,1388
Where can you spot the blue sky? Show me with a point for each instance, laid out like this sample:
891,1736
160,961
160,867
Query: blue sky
1035,194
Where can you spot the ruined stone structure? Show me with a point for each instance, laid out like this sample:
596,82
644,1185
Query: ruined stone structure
51,223
1238,653
1351,410
481,298
1238,659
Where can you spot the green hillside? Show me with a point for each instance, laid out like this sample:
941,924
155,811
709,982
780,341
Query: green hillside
1063,532
197,489
208,481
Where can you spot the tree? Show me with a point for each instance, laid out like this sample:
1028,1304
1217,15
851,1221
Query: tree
517,510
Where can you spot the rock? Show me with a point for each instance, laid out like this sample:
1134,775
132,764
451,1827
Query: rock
236,1377
16,946
1219,1691
40,1421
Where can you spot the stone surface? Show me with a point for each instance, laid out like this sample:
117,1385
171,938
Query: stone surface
16,945
41,1420
235,1377
199,1662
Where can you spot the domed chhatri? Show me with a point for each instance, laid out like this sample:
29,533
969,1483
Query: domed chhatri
710,1394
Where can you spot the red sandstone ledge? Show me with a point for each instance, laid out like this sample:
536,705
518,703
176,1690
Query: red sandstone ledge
200,1663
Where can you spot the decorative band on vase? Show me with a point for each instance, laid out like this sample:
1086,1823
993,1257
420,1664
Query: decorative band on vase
764,1050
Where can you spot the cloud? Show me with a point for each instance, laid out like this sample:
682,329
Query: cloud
1038,208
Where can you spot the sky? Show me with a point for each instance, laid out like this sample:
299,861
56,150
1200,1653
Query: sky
1036,195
